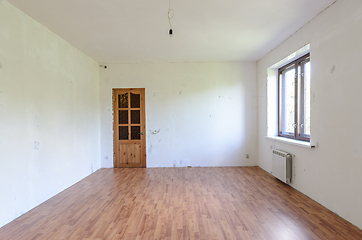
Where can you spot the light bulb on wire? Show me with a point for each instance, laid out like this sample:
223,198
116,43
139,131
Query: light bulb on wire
170,16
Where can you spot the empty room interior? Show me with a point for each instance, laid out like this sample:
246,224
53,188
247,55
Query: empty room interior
180,119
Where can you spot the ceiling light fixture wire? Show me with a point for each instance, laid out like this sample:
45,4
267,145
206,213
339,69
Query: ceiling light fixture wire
170,16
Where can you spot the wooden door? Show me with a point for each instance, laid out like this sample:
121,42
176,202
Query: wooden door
129,143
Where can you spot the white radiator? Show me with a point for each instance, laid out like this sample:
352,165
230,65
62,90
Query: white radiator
282,165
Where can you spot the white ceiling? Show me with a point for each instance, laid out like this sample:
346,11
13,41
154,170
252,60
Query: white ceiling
119,31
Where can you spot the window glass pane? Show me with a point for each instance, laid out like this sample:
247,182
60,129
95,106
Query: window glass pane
123,133
123,116
294,103
135,100
135,132
288,101
123,100
135,117
306,125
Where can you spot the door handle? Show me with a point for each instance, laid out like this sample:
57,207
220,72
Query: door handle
141,133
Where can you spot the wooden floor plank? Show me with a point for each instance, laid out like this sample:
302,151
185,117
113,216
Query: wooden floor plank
180,203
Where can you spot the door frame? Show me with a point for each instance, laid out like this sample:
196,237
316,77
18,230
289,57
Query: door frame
143,127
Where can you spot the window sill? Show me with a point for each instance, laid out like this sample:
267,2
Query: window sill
291,141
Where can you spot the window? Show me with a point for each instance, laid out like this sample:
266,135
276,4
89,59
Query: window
294,99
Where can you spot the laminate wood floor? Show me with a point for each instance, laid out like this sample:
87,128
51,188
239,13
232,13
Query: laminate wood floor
180,203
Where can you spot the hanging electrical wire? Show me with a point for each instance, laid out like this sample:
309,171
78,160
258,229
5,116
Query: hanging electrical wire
170,16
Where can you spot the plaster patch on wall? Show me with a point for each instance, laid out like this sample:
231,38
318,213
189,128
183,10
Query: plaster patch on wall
150,149
332,69
36,145
184,162
154,132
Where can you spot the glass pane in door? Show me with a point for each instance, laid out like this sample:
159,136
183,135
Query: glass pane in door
135,117
135,132
135,100
123,100
123,133
123,116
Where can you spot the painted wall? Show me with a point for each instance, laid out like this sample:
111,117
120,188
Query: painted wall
205,112
330,173
49,114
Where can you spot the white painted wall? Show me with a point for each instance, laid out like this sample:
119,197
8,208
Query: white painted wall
49,114
206,112
330,173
